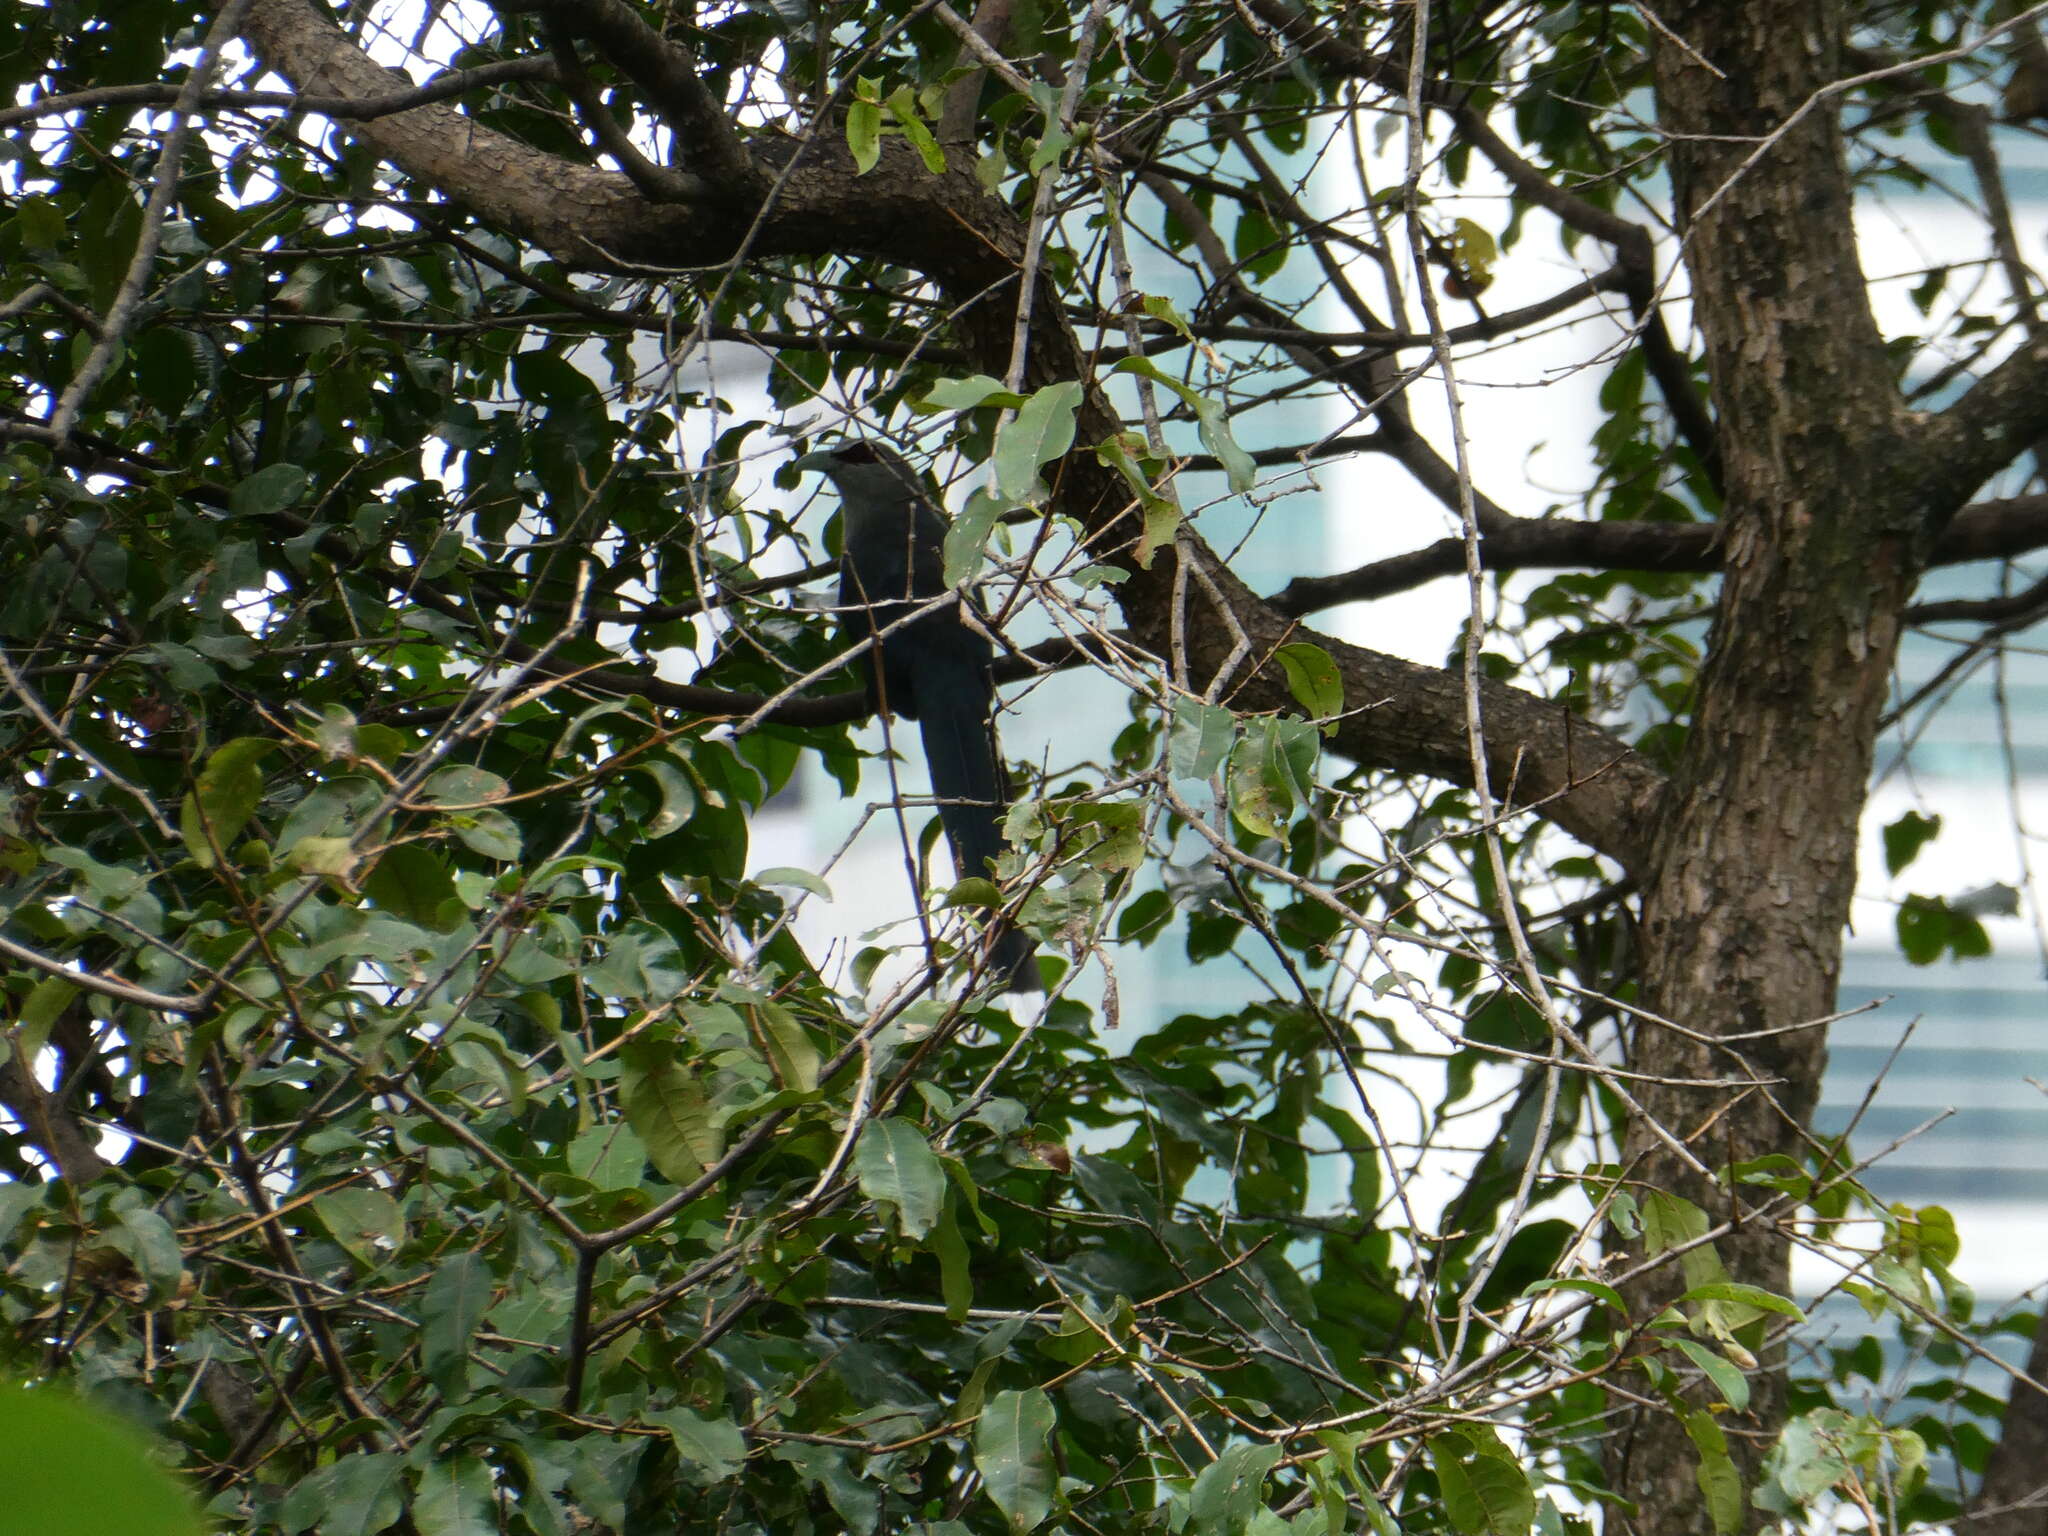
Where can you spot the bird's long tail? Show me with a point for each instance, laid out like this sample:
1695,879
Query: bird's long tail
954,707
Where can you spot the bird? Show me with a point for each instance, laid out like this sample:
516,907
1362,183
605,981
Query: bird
933,667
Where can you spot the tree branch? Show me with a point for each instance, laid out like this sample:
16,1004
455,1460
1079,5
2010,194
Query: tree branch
667,72
661,183
48,1124
456,82
1998,418
963,97
1989,530
2013,1498
105,986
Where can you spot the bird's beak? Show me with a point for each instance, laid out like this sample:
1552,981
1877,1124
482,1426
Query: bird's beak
819,459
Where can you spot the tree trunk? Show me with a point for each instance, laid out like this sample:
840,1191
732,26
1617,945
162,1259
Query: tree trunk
2013,1498
1750,878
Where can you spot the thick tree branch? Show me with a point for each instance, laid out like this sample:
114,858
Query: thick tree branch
963,97
667,72
578,212
1989,530
1411,719
456,82
47,1123
659,182
2013,1498
1999,418
598,220
2013,611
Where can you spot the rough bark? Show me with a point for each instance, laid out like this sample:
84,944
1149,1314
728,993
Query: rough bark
1750,877
46,1123
1988,530
2013,1498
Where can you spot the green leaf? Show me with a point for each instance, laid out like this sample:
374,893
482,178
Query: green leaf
336,856
72,1470
483,1051
791,1052
665,1104
1748,1295
864,134
609,1156
1210,420
1594,1288
358,1217
462,786
456,1498
1720,1484
1161,308
152,1244
854,1498
903,107
1200,739
1162,522
1041,431
897,1166
224,798
1814,1452
457,1295
46,1003
42,224
1343,1446
965,394
678,796
1727,1378
798,879
1485,1490
1929,926
1116,833
414,886
490,833
967,536
1011,1455
711,1450
1315,682
16,1201
270,489
1143,917
1257,244
1670,1220
554,381
1048,150
106,882
1272,771
1226,1495
1904,838
1161,515
1474,249
1926,1232
358,1495
956,1281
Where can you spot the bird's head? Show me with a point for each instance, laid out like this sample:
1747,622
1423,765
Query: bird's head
865,470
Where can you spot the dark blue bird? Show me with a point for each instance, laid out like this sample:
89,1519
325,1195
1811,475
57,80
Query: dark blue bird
934,669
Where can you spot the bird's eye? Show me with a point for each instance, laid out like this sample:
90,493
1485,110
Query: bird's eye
856,452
